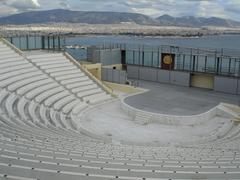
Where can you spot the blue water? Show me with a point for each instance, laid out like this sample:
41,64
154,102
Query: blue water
223,41
225,45
228,42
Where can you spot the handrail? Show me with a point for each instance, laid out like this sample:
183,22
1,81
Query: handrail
108,89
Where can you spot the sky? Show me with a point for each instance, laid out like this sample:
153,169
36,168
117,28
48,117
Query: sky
201,8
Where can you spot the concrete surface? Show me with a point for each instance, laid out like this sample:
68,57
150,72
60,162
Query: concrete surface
176,100
110,121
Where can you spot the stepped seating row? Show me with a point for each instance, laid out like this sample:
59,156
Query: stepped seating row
225,161
50,93
25,113
25,157
67,74
38,139
34,84
27,74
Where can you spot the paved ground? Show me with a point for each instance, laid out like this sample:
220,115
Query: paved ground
109,120
176,100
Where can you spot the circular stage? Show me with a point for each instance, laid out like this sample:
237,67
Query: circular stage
177,100
183,116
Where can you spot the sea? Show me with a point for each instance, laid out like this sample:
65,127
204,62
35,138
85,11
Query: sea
226,42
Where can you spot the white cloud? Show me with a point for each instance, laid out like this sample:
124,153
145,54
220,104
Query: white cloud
14,6
206,8
146,11
23,4
210,9
64,4
5,10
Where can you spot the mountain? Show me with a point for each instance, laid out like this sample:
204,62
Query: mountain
91,17
60,15
191,21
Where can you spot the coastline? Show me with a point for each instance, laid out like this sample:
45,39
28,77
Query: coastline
70,29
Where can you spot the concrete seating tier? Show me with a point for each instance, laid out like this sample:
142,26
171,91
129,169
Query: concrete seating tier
39,140
28,156
67,76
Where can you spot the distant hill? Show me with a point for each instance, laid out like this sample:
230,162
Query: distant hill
191,21
60,15
91,17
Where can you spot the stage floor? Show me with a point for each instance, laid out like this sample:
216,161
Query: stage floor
177,100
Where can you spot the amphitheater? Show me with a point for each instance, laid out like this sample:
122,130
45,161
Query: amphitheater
46,102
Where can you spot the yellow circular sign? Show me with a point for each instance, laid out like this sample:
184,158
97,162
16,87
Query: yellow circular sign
167,59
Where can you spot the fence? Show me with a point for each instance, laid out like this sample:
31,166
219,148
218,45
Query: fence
203,61
50,42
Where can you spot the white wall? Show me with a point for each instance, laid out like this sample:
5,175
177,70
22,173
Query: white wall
159,75
226,84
